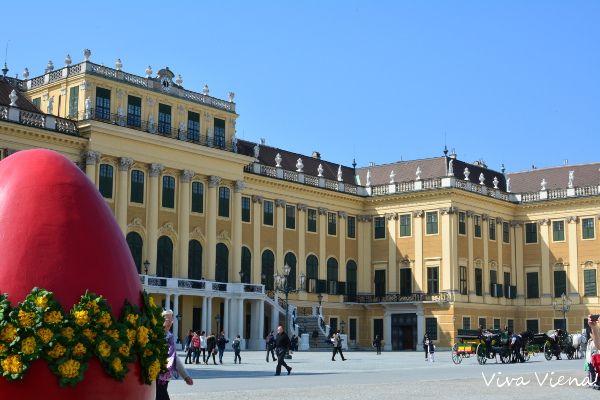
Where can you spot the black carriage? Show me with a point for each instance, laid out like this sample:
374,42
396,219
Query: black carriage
551,343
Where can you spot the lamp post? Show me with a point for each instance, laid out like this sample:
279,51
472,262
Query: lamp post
564,305
146,266
282,285
218,319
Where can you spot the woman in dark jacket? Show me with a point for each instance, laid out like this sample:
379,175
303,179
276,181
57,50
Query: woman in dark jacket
211,348
426,346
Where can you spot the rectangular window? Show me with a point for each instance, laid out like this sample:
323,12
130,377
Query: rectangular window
558,231
482,323
311,219
506,284
497,323
532,325
492,228
224,195
477,226
462,223
587,228
431,223
268,212
505,232
197,197
134,111
351,225
510,325
168,192
431,328
560,283
74,102
589,282
164,119
193,126
102,103
478,282
331,224
463,280
106,181
379,227
433,280
405,225
245,209
533,291
493,277
290,217
405,281
531,232
219,133
37,102
137,186
466,322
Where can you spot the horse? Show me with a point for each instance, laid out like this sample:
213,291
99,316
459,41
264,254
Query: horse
579,341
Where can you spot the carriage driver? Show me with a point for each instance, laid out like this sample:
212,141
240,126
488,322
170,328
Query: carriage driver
515,345
555,336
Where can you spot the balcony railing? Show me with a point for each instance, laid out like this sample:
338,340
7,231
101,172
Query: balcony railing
181,284
38,120
442,297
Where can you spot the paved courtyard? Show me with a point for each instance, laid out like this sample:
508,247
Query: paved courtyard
391,375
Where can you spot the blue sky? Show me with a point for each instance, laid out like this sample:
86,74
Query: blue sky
513,82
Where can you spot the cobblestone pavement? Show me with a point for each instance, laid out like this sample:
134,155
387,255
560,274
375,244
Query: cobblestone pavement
391,375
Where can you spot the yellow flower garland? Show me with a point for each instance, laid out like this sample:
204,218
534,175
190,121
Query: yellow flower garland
39,327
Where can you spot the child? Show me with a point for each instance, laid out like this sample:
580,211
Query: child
431,350
236,349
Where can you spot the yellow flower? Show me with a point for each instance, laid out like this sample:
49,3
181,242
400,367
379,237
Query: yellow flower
79,350
142,336
81,317
68,332
57,351
90,334
9,333
69,369
147,352
53,317
41,301
154,321
12,364
104,349
28,345
151,302
92,305
131,334
153,370
3,348
105,319
132,319
124,349
45,334
113,333
26,318
117,365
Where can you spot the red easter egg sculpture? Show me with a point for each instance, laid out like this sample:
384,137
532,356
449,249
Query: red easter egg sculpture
57,233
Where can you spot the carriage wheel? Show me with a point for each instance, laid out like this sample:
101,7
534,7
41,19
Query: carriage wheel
505,356
456,357
481,356
548,353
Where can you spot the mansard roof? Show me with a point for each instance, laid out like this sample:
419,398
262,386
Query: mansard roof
6,87
556,177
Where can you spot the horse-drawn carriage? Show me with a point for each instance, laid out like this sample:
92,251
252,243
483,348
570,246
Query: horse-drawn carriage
485,344
553,343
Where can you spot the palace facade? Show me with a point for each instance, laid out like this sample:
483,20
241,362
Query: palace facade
431,245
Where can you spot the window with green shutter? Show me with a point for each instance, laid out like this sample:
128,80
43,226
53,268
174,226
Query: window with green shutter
332,224
478,282
431,328
558,231
224,202
102,103
531,232
137,186
134,111
560,283
462,223
533,291
405,225
105,184
351,227
587,228
589,282
73,101
193,133
164,119
197,197
268,212
379,227
290,217
245,209
477,225
431,219
311,220
505,232
492,229
168,192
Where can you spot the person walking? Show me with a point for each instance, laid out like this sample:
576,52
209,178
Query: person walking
211,348
196,347
431,351
377,344
221,342
202,347
426,346
173,362
282,345
270,343
189,350
337,345
237,343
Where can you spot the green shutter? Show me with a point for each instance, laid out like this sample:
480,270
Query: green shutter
73,102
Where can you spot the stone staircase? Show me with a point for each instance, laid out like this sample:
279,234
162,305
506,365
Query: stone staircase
309,324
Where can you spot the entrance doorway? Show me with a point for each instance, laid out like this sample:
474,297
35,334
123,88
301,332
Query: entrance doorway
404,331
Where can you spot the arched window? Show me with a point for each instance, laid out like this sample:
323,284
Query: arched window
194,260
135,243
290,259
105,184
332,276
312,273
246,265
164,257
222,268
351,280
268,269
